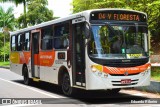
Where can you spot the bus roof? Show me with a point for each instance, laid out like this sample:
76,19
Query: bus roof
69,17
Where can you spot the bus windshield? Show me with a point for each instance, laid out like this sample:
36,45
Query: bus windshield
118,41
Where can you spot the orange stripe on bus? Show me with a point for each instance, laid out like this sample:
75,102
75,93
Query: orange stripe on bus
44,58
47,58
130,70
24,57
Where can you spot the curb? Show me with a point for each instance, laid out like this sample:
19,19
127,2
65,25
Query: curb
154,87
5,67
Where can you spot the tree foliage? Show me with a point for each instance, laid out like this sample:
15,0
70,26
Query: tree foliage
17,2
14,1
37,13
7,19
7,24
5,50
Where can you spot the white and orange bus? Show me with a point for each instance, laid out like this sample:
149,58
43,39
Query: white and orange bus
101,49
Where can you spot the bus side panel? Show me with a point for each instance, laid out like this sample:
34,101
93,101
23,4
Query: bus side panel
47,69
47,58
15,65
47,74
50,73
25,58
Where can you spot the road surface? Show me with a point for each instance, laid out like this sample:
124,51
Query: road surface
44,94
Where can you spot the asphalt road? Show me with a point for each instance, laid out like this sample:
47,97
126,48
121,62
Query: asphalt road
12,89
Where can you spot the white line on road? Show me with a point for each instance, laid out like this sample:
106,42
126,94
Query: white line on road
33,89
139,94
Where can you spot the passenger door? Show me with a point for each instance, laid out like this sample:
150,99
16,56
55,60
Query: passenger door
35,62
78,54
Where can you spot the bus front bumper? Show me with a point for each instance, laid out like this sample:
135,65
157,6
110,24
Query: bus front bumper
99,81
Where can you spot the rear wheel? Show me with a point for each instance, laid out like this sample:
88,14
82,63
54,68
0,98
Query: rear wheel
26,76
66,86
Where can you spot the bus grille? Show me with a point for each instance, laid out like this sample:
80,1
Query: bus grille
118,83
123,74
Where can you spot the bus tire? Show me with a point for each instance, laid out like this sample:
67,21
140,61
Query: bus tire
113,91
66,86
26,78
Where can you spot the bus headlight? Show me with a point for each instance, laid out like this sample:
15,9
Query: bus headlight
99,73
93,69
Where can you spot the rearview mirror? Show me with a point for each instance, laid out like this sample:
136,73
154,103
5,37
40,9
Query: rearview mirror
87,30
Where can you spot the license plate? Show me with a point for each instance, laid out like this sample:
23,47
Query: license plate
126,81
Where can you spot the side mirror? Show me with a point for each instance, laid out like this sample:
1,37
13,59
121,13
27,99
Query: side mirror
87,30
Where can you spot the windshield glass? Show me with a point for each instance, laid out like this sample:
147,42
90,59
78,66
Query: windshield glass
118,41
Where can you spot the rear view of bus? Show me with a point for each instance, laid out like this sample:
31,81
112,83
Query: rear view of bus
118,55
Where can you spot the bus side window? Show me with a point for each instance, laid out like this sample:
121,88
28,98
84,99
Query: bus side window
57,43
26,43
61,36
20,42
47,38
13,43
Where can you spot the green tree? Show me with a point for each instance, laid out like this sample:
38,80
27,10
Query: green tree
81,5
16,2
5,51
7,19
6,24
37,13
108,4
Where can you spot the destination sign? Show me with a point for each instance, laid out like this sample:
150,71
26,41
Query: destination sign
118,16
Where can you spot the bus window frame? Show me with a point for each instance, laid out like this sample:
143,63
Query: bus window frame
28,41
14,43
54,37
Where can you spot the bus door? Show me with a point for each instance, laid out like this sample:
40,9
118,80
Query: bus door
78,54
35,62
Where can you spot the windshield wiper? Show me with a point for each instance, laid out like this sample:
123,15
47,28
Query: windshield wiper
111,28
123,35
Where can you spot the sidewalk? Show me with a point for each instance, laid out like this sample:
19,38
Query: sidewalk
153,87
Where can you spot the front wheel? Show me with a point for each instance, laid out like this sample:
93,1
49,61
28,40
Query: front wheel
66,86
26,76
